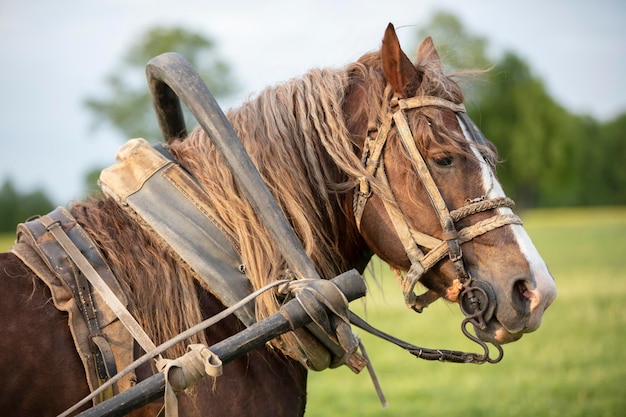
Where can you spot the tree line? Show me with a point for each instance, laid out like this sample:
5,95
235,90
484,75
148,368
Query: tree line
549,155
16,206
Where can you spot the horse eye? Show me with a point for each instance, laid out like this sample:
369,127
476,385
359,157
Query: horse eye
443,160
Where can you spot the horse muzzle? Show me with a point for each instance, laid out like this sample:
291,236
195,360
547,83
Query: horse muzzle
518,311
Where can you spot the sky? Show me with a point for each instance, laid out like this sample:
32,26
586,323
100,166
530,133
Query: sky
55,54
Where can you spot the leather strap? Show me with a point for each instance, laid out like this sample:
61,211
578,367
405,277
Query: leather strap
99,336
54,227
425,101
447,223
412,240
109,367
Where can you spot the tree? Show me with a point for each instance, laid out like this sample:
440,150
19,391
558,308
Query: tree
16,207
532,132
603,178
536,137
127,106
462,53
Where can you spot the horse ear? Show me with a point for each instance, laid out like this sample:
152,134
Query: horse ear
427,55
397,67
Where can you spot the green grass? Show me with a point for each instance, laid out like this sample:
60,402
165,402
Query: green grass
572,366
6,240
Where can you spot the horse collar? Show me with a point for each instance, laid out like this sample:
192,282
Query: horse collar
151,186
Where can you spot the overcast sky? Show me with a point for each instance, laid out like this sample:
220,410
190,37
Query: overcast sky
56,53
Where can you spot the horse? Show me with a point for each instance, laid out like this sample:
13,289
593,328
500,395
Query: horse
375,158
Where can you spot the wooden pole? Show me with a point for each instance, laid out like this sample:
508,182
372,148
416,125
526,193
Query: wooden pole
172,78
290,317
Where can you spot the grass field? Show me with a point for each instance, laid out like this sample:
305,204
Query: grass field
572,366
6,240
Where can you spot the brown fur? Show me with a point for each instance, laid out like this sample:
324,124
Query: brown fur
161,289
307,152
298,137
305,136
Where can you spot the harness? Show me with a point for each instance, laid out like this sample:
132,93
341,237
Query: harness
475,297
63,255
156,191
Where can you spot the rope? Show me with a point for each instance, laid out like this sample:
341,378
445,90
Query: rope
487,225
173,341
331,330
183,373
114,303
480,206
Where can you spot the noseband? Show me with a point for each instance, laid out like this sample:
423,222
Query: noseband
476,298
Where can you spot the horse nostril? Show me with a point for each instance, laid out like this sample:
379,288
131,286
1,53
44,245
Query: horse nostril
523,289
522,296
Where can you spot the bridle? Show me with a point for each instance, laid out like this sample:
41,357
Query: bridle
476,297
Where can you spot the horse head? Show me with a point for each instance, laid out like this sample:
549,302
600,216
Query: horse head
430,204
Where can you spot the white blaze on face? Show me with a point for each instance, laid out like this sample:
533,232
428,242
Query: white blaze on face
540,288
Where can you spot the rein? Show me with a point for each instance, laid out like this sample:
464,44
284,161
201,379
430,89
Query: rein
475,297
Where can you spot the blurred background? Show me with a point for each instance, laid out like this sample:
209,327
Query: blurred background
73,88
554,102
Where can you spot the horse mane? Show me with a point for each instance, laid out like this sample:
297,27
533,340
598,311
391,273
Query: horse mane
297,135
160,288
